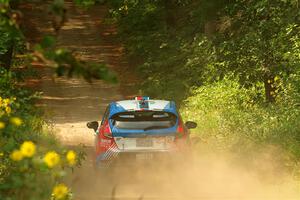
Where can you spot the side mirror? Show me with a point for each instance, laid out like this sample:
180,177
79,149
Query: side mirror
190,125
93,125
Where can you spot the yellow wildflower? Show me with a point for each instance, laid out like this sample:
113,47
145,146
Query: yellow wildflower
16,121
28,149
71,158
5,102
2,125
60,191
8,110
51,159
1,154
16,155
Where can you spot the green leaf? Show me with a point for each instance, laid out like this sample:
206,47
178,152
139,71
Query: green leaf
48,42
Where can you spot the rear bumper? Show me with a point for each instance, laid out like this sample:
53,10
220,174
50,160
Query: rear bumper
134,154
147,151
131,157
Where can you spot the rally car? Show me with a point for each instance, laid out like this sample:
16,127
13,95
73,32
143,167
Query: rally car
140,128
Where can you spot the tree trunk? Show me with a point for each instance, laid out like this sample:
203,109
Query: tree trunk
170,7
269,88
6,58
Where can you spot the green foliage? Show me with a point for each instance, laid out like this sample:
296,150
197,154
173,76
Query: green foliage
10,36
228,59
233,118
65,63
12,39
22,130
24,144
260,39
23,175
256,41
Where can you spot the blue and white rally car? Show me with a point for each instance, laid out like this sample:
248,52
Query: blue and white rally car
140,128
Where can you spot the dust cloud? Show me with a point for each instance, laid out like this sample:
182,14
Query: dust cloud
201,175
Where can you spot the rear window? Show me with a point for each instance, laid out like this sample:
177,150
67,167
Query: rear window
145,120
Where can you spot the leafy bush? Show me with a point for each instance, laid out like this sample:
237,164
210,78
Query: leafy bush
234,118
29,156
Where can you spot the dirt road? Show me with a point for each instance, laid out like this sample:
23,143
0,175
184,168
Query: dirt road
70,103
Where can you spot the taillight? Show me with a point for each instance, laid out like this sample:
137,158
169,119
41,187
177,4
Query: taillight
180,129
106,130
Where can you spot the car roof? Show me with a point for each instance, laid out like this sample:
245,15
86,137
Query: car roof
142,105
